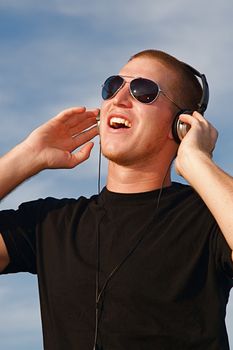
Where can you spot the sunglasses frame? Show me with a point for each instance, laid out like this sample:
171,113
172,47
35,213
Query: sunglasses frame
131,92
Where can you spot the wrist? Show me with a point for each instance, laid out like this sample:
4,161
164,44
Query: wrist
16,166
190,165
23,159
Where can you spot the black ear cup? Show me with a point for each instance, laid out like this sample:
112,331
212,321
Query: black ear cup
180,129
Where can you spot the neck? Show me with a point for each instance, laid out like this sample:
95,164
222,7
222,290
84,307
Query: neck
130,179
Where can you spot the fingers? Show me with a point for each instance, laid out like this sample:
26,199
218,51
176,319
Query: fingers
76,119
202,133
83,125
83,153
84,137
74,115
190,119
63,134
80,118
196,120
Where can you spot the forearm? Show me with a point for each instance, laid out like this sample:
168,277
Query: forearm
215,187
15,167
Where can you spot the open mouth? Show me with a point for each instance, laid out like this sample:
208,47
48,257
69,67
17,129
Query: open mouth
119,123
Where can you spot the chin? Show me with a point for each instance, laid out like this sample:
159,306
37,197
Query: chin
126,158
118,158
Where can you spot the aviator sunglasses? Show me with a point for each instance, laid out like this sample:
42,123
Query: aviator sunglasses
142,89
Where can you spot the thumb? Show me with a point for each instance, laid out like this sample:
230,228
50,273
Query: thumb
81,155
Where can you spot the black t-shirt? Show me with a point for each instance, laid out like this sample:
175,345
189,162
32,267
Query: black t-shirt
170,293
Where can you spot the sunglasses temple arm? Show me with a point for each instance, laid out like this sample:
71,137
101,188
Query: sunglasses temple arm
171,100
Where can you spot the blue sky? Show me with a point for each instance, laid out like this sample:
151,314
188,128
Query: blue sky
55,54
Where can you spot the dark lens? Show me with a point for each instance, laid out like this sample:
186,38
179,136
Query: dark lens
144,90
111,86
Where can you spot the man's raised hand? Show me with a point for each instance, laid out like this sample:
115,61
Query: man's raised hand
54,142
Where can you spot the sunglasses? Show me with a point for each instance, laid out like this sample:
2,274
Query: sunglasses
142,89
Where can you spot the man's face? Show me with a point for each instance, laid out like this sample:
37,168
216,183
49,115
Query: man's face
149,125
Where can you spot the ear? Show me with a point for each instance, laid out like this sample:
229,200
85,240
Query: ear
173,130
170,135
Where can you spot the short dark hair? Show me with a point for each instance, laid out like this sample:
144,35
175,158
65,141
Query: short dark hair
184,87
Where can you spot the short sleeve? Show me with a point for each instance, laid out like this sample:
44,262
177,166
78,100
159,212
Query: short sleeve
18,229
21,229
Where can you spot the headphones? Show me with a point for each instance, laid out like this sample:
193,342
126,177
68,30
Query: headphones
179,128
98,120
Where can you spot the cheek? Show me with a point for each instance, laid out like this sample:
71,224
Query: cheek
157,128
104,109
155,135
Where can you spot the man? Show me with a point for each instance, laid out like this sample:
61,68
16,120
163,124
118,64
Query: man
147,264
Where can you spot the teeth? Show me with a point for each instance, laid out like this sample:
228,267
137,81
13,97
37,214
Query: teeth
122,121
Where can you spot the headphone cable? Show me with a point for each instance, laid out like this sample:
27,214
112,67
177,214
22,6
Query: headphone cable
117,267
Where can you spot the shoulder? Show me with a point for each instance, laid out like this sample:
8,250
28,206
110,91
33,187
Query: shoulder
181,193
41,209
184,203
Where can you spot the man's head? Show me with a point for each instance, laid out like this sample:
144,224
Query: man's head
133,132
183,87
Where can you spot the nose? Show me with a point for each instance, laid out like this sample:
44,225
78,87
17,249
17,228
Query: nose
123,97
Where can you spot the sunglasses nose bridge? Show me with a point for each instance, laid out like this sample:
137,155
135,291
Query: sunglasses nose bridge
121,86
123,92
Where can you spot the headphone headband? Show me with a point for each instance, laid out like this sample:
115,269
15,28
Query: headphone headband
202,105
180,129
